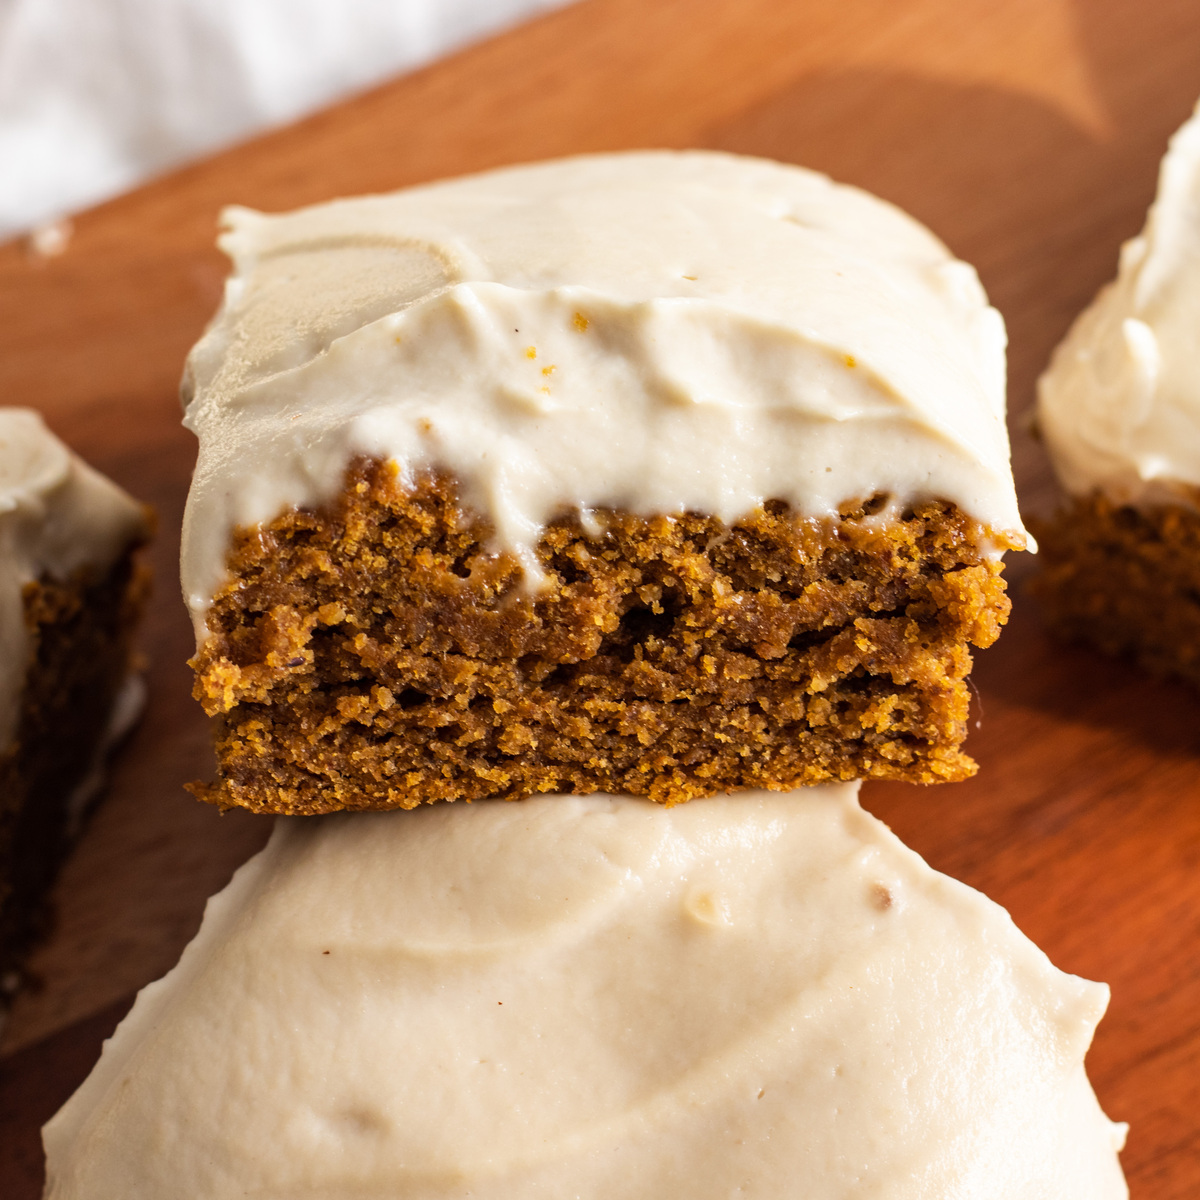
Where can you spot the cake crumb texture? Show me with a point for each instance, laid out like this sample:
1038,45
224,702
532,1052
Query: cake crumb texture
1125,579
80,643
376,654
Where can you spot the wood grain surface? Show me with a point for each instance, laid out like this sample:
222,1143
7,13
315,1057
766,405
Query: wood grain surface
1026,133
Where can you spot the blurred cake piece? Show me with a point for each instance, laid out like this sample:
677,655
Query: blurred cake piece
657,473
761,995
1119,410
70,593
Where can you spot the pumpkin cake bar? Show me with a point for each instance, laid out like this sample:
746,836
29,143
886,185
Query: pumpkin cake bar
758,995
1119,410
70,594
657,473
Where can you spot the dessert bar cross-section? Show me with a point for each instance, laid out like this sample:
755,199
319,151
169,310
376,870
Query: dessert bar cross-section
661,473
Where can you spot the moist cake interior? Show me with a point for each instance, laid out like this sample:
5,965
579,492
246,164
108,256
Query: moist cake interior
1126,579
79,653
376,653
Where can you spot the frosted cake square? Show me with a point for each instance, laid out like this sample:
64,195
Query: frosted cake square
71,590
1119,410
657,473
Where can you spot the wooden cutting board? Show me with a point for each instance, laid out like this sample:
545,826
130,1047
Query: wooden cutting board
1025,132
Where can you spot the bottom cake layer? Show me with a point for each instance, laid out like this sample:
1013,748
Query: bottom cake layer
79,663
377,654
1125,579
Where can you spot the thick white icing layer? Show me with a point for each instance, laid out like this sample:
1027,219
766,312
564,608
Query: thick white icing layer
1119,406
56,516
658,331
759,995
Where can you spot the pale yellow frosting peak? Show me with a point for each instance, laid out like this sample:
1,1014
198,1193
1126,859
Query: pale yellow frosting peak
1119,405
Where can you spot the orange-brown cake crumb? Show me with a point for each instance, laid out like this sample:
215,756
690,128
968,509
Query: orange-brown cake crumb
80,643
376,654
1125,579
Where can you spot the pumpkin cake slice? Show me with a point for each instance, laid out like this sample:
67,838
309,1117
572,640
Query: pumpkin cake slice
1119,410
759,995
71,590
656,473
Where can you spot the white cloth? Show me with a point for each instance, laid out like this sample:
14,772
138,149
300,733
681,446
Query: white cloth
97,95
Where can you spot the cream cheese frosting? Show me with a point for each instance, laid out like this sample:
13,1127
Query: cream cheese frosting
1119,405
57,515
760,995
658,331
